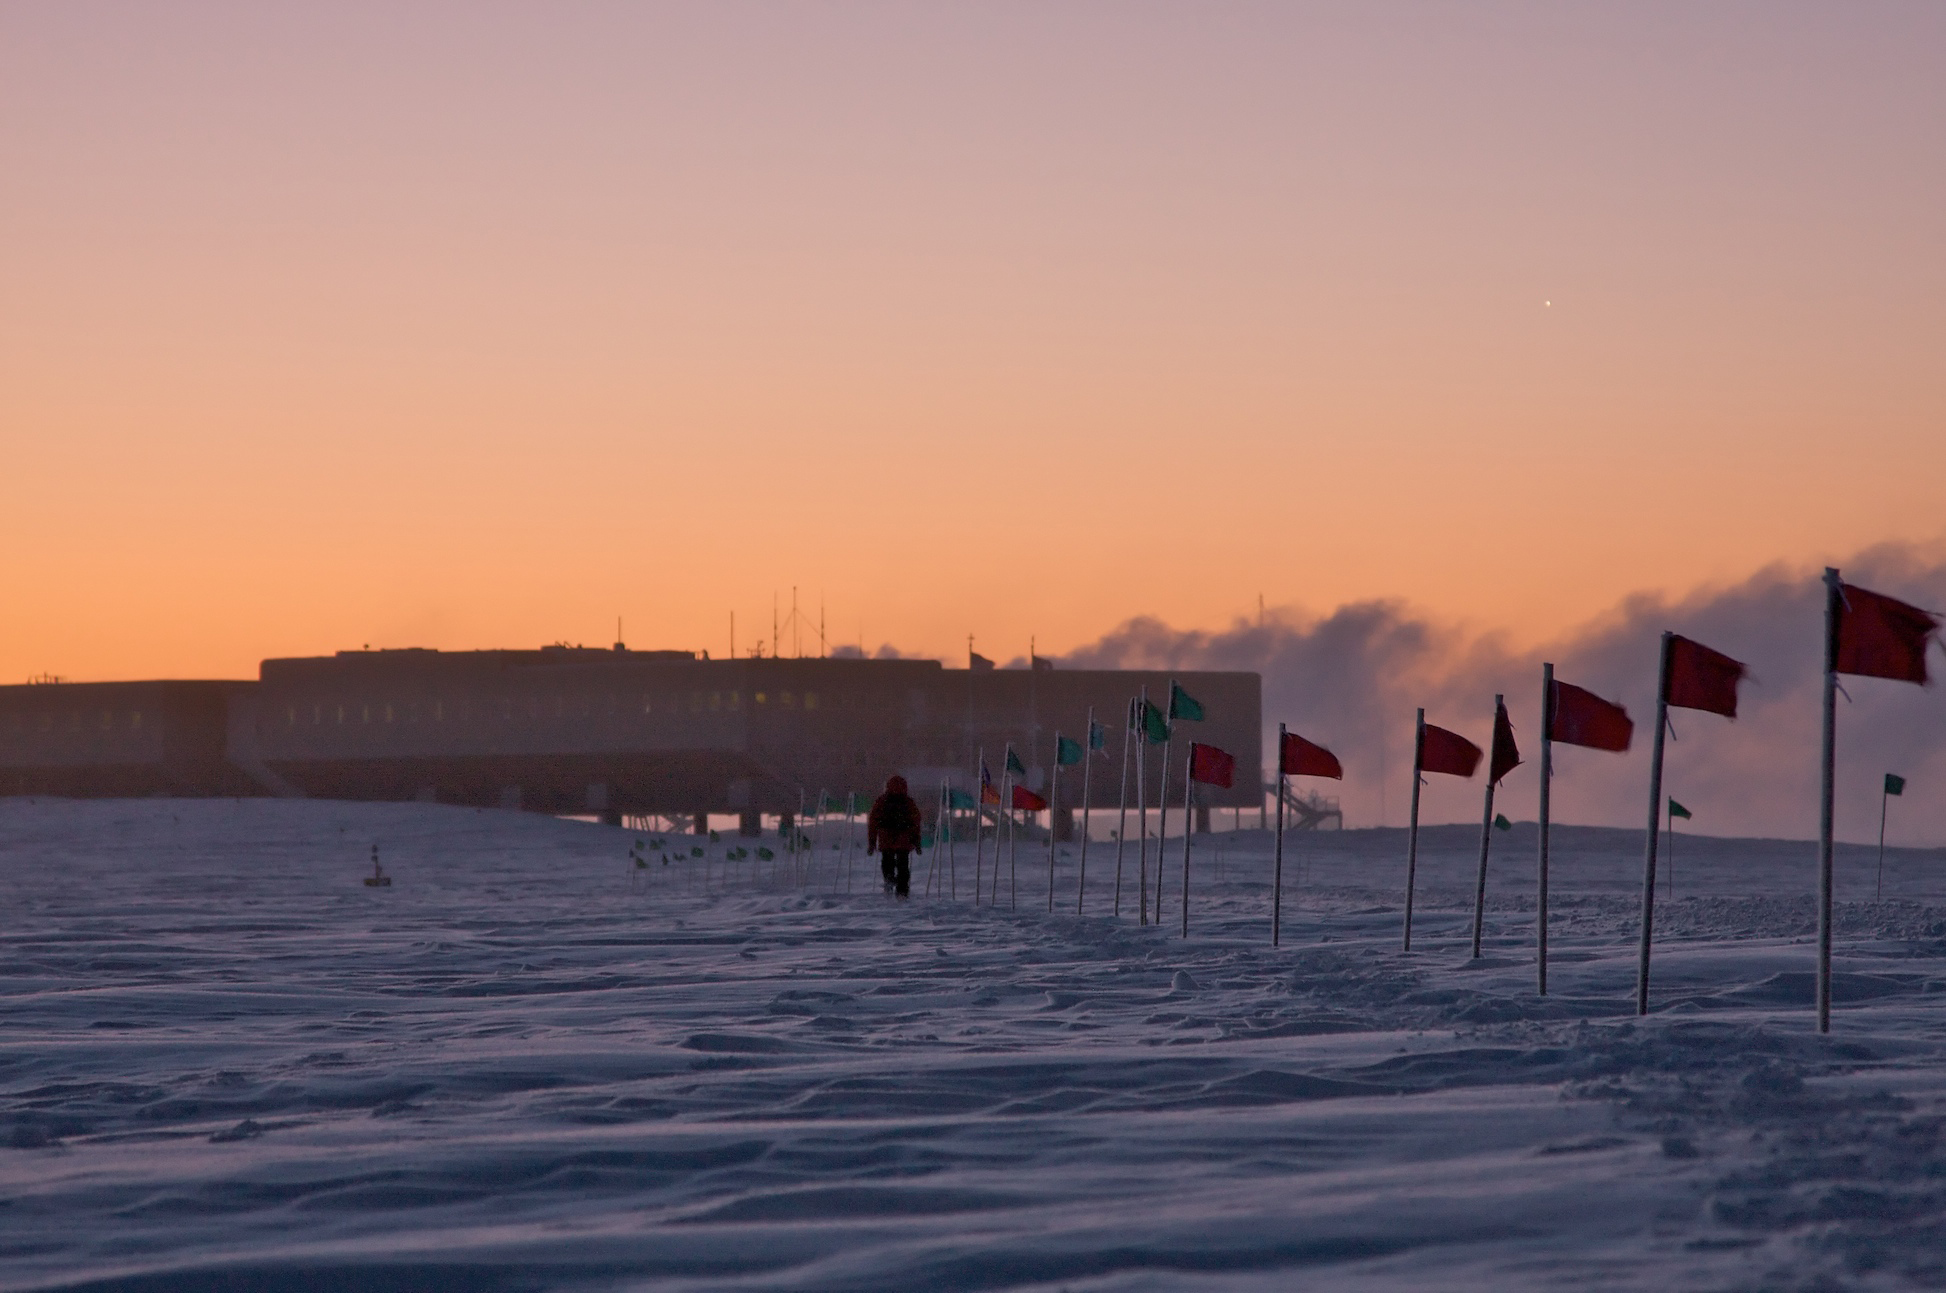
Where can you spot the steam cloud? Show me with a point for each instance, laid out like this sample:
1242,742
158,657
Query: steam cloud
1351,680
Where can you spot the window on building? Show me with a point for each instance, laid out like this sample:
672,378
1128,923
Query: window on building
810,700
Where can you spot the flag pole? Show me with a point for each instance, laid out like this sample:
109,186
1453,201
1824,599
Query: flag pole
1884,798
938,825
1672,852
1013,860
1006,814
1121,818
1053,806
1087,768
1655,811
979,811
1412,828
1142,803
1277,884
1833,607
1547,778
1162,798
1188,784
1486,840
952,861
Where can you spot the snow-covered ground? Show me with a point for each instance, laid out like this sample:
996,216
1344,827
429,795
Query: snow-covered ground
225,1063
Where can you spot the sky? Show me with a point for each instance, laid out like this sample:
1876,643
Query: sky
474,325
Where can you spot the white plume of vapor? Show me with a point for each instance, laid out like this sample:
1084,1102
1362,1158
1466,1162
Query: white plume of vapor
1351,679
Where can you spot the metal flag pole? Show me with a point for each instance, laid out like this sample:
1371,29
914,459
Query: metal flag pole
1087,768
1277,881
1412,827
1833,609
1053,806
1162,799
952,862
1142,804
1486,840
979,811
1188,784
1672,851
1547,781
1655,813
938,824
1121,815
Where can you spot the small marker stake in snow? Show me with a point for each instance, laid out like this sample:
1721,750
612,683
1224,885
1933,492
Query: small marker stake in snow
377,879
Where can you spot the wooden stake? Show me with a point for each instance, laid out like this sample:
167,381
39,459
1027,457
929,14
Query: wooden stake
1833,608
1486,840
1655,819
1277,873
1412,826
1547,779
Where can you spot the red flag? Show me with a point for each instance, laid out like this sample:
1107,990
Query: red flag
1027,801
1211,766
1506,755
1583,718
1300,758
1447,752
1880,637
1700,678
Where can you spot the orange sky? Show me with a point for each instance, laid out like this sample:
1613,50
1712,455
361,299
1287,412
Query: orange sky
479,325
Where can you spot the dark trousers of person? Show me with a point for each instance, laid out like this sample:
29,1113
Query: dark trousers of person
896,866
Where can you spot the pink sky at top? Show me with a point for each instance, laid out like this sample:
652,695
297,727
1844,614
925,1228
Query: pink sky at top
481,324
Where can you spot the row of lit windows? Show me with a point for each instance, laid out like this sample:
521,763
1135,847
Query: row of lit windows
78,720
323,713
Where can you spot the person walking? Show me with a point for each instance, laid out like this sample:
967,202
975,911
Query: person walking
892,831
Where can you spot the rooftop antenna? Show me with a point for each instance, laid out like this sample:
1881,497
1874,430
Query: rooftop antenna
733,635
773,623
797,627
821,643
619,644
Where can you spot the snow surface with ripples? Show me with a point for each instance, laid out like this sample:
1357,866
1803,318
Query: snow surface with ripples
226,1063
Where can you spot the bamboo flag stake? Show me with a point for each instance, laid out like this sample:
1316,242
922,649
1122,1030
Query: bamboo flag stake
1142,804
1277,882
1894,785
1412,827
1547,778
1833,605
1121,814
979,812
1087,769
1486,841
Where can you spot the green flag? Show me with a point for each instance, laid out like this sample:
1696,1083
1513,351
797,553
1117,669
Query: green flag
1097,737
1894,784
1154,726
833,804
959,799
1500,822
1677,810
1014,764
1066,753
857,804
1184,705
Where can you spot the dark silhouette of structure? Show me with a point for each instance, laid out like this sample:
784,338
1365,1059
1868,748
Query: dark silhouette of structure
575,730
